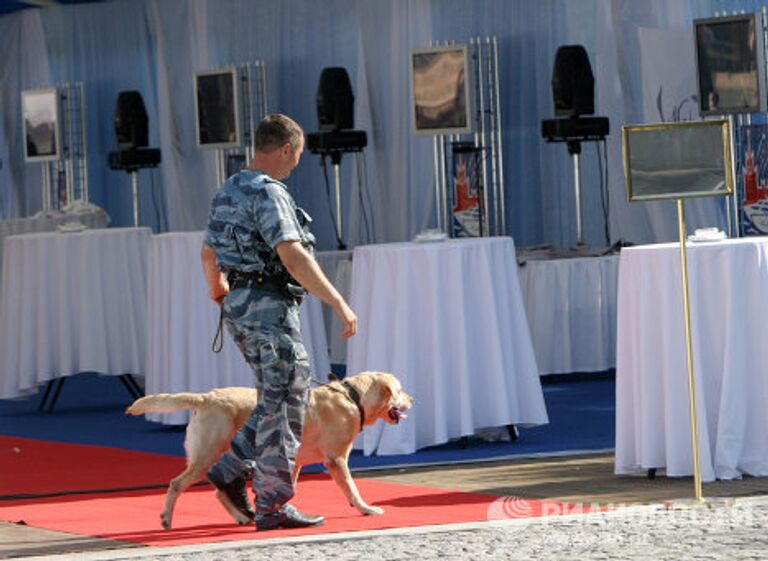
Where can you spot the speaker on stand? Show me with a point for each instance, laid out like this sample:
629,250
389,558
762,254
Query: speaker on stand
336,114
573,91
132,132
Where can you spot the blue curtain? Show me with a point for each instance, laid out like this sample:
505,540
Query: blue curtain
155,47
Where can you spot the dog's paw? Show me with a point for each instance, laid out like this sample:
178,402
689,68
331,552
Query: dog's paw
371,510
165,521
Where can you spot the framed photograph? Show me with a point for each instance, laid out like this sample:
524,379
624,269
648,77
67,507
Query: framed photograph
440,86
677,160
730,64
217,108
40,117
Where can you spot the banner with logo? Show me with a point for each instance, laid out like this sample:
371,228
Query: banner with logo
466,211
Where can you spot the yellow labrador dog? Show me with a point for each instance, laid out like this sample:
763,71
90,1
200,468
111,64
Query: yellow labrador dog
335,415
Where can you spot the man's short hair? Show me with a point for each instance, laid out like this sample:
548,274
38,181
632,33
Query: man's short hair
274,131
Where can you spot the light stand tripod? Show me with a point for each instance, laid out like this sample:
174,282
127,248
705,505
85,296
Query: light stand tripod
132,161
574,149
135,188
336,163
335,144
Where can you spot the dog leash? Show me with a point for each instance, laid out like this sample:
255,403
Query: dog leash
218,339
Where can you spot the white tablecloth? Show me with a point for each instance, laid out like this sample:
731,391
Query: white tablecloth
447,318
182,321
571,309
70,303
92,217
729,307
337,266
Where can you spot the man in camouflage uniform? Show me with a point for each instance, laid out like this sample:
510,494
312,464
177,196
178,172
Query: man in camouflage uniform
257,250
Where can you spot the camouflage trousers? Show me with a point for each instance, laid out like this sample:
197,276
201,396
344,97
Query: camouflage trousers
265,327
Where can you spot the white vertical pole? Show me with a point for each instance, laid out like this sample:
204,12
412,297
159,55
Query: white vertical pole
84,146
438,202
492,107
135,189
45,195
479,75
500,155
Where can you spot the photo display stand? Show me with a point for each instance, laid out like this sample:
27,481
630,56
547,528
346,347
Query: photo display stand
455,98
731,53
678,161
229,105
55,136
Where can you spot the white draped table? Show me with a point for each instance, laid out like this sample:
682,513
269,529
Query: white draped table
182,322
571,309
729,307
69,303
91,217
447,318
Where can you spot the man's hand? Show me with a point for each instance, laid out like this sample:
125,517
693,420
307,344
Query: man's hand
218,287
219,290
348,319
303,267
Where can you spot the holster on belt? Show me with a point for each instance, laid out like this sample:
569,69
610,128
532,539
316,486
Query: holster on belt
260,281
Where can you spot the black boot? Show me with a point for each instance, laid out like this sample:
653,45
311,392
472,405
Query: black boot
234,499
287,517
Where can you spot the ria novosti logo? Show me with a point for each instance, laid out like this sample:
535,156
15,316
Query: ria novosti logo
506,508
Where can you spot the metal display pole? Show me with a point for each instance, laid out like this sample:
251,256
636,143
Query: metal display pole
689,353
46,192
336,161
438,199
135,187
492,108
574,149
69,153
502,206
484,220
84,194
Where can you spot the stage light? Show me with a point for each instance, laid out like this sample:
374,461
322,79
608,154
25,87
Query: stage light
573,85
335,113
132,131
131,122
573,91
335,102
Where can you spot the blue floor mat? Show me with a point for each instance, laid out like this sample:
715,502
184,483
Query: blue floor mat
90,410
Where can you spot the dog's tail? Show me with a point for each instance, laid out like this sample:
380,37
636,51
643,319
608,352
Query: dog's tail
165,403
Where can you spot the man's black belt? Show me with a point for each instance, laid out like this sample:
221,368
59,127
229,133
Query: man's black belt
260,281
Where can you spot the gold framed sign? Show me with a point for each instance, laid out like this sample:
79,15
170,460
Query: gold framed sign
677,160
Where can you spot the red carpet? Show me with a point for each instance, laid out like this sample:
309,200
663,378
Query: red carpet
134,516
40,467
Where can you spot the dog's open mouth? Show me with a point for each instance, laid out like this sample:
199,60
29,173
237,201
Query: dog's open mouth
396,414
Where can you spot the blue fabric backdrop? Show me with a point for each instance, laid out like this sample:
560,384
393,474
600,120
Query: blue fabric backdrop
155,47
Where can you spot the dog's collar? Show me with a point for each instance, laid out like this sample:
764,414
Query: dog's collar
352,394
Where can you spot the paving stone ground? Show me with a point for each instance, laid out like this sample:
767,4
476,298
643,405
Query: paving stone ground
719,530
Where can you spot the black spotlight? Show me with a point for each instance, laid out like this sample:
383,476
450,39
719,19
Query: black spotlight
573,90
335,102
573,85
131,122
132,131
335,115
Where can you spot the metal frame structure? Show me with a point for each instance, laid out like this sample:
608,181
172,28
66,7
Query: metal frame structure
252,97
733,210
72,165
486,137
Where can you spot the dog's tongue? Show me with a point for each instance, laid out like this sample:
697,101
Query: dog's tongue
397,415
